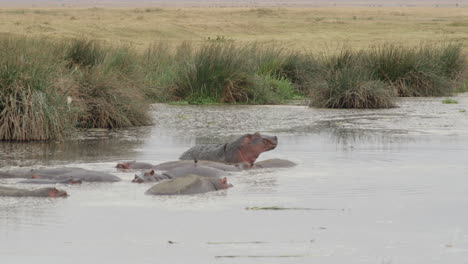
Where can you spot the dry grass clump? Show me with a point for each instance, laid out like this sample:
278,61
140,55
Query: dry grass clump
345,82
426,70
39,77
228,73
106,100
370,78
108,86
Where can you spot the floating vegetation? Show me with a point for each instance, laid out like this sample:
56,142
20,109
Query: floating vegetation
285,208
264,256
449,101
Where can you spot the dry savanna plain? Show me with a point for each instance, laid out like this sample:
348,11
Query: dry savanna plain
301,29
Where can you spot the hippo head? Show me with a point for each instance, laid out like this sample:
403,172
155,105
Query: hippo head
73,181
124,165
35,176
220,183
54,192
148,176
252,145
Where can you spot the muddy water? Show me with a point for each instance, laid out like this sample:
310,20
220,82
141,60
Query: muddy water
386,186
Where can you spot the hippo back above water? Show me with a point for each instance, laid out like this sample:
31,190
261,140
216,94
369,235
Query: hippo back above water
43,192
59,174
244,149
190,184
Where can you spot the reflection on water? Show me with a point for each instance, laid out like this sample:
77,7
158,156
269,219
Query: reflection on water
391,183
81,148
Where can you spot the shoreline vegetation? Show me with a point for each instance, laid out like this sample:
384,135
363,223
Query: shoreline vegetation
51,86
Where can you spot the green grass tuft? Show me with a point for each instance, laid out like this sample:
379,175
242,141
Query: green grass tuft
39,77
449,101
106,100
84,53
32,106
216,73
427,70
346,82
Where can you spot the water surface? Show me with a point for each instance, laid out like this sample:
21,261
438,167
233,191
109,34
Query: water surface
385,186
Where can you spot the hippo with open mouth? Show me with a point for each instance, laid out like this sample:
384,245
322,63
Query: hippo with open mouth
244,150
43,192
190,184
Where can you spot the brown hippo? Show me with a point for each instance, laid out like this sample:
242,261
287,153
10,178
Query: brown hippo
245,149
190,184
62,174
43,192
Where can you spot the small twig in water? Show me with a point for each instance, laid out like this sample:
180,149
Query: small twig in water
251,242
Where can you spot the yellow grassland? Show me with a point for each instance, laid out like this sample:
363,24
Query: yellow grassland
305,29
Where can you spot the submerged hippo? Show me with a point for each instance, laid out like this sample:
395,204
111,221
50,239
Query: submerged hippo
182,170
273,163
245,149
196,169
190,184
62,174
43,192
165,166
149,176
49,181
206,163
133,165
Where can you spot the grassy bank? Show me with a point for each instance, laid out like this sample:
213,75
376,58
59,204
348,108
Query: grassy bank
226,72
50,86
371,78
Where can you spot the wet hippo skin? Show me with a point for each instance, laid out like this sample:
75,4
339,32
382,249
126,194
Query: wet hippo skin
64,173
43,192
190,184
244,149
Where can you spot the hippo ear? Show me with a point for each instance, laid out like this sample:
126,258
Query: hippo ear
152,172
248,138
224,180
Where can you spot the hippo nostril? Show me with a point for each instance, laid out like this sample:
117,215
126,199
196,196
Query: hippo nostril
274,142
